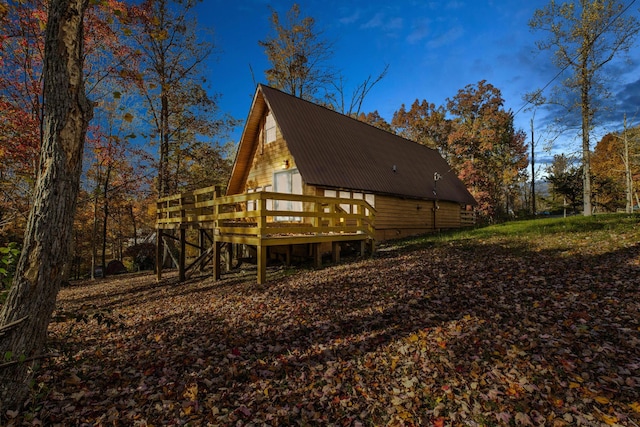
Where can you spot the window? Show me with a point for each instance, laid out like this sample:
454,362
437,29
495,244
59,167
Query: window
369,198
270,129
345,195
289,182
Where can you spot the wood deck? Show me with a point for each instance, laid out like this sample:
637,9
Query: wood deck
259,220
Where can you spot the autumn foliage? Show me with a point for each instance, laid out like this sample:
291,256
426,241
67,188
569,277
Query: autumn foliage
476,136
533,323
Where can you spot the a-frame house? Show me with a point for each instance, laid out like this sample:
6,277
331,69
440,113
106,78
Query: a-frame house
307,180
294,146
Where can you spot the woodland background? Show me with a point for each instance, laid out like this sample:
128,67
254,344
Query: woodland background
524,324
157,128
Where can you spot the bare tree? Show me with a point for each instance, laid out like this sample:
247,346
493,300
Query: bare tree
359,93
25,316
169,78
298,55
585,35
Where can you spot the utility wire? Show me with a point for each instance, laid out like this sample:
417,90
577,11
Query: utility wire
539,91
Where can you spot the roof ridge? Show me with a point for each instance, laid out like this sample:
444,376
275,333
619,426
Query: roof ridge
261,85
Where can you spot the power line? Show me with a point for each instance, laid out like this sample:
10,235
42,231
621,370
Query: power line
539,91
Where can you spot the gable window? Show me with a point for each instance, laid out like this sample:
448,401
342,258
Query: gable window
270,128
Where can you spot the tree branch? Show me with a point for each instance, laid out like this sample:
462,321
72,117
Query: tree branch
28,359
11,325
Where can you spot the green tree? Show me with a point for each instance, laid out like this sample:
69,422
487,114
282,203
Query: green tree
25,316
584,36
566,182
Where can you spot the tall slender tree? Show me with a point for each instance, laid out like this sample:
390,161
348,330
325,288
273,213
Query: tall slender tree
168,76
26,313
584,36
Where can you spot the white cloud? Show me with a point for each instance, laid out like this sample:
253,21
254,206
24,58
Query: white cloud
375,22
419,31
380,21
350,19
449,37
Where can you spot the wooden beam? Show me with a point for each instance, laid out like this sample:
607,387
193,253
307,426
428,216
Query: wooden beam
335,252
217,247
229,257
169,247
287,255
158,255
317,255
262,264
182,256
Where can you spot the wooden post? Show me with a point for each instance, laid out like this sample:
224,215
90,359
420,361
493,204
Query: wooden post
216,259
363,247
201,242
182,259
287,255
262,264
435,216
335,252
317,255
262,218
159,249
229,258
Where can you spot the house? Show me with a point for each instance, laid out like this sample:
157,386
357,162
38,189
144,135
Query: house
307,180
290,145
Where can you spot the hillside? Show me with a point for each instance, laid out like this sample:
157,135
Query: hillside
527,323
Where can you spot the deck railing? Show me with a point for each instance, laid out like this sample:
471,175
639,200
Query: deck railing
467,218
265,214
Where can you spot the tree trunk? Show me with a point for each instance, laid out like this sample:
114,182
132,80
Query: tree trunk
585,106
533,173
47,239
135,227
105,218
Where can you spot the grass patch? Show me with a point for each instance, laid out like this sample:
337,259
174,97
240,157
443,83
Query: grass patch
596,227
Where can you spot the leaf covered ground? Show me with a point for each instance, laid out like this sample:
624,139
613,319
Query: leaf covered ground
534,323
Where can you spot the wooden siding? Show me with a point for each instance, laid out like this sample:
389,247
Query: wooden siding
268,158
397,217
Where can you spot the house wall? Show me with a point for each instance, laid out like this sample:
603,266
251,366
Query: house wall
397,217
268,157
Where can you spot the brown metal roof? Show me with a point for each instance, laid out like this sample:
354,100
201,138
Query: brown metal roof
334,150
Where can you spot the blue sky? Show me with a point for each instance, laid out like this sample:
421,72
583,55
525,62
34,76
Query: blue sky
433,48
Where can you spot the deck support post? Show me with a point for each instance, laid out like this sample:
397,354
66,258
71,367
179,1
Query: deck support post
335,252
317,255
159,254
216,259
229,259
287,255
183,255
262,264
363,247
